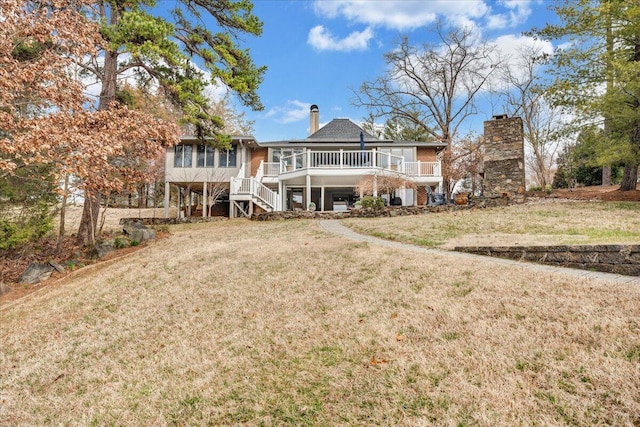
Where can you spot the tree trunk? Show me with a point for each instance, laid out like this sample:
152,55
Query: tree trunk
63,212
89,221
606,175
606,169
630,178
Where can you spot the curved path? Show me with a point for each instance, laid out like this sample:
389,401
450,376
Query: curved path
335,226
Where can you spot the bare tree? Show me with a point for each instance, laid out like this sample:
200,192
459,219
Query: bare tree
524,97
466,158
217,186
434,86
384,183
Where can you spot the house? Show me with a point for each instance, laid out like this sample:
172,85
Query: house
323,168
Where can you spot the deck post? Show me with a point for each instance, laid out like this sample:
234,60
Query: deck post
167,195
307,198
205,200
375,185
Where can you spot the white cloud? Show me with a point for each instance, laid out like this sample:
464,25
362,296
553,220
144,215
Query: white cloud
401,15
510,45
295,111
321,39
515,51
404,15
517,12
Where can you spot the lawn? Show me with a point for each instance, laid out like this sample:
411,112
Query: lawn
280,323
549,222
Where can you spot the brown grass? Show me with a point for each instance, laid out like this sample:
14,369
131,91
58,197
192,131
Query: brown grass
282,324
546,222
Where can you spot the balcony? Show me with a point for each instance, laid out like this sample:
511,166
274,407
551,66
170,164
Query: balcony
343,162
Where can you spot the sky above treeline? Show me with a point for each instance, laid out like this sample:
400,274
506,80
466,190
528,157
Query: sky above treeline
320,51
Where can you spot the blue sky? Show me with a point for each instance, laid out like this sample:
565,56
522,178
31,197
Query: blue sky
317,52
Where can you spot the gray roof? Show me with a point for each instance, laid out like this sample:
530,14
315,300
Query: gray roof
341,130
346,133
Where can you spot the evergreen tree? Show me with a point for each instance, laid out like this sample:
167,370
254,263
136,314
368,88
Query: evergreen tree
198,46
597,74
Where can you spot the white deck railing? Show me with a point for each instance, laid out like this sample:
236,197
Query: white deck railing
422,168
254,188
344,159
271,169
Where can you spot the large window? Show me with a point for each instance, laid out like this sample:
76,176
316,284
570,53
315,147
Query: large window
228,158
279,153
183,156
205,156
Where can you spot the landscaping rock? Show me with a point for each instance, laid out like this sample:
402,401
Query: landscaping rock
36,273
4,288
57,266
138,232
104,249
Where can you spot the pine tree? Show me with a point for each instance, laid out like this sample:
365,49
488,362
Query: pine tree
596,74
182,56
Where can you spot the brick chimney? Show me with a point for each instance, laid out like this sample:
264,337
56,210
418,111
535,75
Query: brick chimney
314,119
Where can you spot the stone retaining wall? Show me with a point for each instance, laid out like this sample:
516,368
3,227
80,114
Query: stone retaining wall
170,221
618,259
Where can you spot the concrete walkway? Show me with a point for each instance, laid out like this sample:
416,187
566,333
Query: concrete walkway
335,226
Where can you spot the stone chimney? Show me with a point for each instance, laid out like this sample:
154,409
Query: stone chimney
504,156
314,119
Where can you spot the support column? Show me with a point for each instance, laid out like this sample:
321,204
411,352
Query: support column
179,203
284,197
307,197
205,200
375,185
322,198
167,196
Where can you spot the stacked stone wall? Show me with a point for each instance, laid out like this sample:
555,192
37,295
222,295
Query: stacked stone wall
504,157
618,259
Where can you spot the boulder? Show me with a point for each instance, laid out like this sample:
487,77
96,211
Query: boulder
104,249
57,266
138,232
4,288
36,273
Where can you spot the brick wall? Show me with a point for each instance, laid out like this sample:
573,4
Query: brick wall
258,155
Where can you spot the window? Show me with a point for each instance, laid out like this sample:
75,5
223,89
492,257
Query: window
279,153
205,156
183,156
228,157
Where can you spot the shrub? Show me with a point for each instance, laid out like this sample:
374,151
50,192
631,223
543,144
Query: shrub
30,226
119,243
372,202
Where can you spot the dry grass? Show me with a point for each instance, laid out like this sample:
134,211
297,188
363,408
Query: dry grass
550,222
282,324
